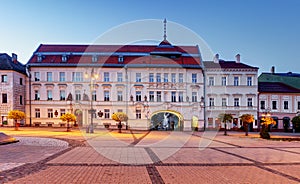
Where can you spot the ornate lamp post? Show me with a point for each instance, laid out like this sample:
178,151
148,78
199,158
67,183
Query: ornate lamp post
202,106
93,76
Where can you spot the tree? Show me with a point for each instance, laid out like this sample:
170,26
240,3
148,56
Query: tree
246,119
119,117
68,117
266,122
296,123
225,118
16,115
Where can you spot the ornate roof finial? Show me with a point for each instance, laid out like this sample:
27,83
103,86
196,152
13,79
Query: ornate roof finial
165,29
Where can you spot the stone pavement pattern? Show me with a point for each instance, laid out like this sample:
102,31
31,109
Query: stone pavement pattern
143,157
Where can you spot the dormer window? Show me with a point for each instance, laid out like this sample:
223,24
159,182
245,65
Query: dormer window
94,58
121,59
39,58
64,58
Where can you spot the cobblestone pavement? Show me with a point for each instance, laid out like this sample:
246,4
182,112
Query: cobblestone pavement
147,157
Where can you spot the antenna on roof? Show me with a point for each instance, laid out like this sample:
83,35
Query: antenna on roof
165,29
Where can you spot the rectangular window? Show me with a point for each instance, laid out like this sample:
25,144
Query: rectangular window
94,96
106,113
138,77
249,102
249,81
36,95
194,96
262,104
166,77
50,113
151,96
49,95
299,105
138,96
106,77
4,78
274,104
173,96
77,76
158,96
49,76
77,95
21,81
21,100
62,76
158,77
151,77
138,114
224,81
224,102
106,95
120,77
236,81
62,95
180,80
37,76
211,102
173,77
286,105
62,112
4,98
194,78
120,96
180,97
211,81
236,102
37,113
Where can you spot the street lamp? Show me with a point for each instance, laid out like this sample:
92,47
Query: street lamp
93,76
202,106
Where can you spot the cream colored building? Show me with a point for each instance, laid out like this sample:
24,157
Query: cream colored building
158,86
231,87
12,87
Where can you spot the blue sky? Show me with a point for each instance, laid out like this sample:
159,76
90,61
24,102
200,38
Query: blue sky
265,32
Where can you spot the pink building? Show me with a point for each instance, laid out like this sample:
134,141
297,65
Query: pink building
279,95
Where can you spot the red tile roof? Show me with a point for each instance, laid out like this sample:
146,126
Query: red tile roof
163,54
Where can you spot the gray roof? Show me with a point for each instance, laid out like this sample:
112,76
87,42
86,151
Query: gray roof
6,63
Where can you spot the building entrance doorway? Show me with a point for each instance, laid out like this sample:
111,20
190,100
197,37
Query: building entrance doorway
166,120
78,114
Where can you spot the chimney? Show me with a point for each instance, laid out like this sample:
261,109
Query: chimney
216,58
14,58
238,58
273,69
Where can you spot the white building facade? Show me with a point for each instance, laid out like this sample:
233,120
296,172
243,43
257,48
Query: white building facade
146,82
231,87
12,87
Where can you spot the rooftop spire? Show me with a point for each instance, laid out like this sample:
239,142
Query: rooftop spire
165,29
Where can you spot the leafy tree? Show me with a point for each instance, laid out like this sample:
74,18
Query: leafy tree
296,123
266,122
119,117
246,119
225,118
16,115
68,117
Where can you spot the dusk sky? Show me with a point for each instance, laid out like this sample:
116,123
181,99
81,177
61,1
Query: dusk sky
264,32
